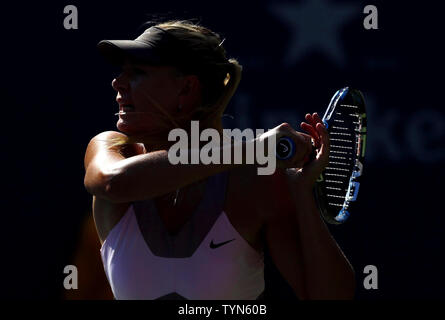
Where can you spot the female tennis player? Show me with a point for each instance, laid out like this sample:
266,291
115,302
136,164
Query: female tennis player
195,231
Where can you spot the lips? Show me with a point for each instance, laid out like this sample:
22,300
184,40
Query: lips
125,105
128,108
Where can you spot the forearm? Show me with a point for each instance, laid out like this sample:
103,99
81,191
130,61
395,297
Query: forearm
152,174
328,273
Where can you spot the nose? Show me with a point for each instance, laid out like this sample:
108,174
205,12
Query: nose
120,83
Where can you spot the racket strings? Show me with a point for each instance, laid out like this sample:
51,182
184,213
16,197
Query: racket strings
338,185
343,149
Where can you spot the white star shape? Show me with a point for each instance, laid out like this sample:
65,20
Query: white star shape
315,26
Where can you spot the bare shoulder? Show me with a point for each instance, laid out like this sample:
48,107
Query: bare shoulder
105,138
106,142
101,151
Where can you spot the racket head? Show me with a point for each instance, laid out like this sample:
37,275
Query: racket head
337,187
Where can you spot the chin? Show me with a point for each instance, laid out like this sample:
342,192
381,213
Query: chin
131,129
125,127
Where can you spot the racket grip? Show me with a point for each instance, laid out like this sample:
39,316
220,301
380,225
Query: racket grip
285,148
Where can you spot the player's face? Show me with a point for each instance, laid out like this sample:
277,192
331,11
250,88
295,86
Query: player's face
139,88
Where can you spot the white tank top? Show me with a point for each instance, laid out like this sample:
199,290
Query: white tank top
207,259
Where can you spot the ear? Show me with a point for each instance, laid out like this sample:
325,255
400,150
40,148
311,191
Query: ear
190,92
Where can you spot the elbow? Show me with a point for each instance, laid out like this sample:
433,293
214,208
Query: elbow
342,288
344,285
104,185
353,285
347,291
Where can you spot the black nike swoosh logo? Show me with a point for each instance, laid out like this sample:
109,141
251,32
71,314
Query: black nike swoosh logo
217,245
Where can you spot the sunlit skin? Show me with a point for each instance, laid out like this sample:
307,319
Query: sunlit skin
277,210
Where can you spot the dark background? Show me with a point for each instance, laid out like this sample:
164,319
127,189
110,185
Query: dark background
56,95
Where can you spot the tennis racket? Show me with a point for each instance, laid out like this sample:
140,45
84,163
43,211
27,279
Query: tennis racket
337,187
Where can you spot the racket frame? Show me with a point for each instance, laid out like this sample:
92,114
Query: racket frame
341,213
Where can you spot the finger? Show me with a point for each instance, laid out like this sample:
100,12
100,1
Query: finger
311,130
322,158
317,119
306,140
310,120
316,136
324,135
285,125
309,146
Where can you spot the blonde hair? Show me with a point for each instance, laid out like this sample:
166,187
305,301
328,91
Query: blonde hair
218,75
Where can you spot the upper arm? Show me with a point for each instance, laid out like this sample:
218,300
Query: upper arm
100,157
281,234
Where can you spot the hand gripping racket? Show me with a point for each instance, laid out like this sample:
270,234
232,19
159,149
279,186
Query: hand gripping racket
337,187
